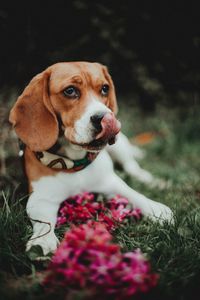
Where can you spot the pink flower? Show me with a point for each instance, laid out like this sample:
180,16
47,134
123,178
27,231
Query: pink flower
87,259
84,207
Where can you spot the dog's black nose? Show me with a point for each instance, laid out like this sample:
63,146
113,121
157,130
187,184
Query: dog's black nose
96,121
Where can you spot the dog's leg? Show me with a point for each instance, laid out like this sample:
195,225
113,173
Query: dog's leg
113,185
123,145
43,214
124,153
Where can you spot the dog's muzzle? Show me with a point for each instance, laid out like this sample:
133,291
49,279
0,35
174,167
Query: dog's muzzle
107,127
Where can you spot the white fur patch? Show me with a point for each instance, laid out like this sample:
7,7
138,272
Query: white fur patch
83,127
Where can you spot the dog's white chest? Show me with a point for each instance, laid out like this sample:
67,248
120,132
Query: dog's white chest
64,185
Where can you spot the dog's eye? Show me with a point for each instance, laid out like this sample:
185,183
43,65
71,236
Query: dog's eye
105,89
71,92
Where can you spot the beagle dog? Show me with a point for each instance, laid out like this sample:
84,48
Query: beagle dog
65,118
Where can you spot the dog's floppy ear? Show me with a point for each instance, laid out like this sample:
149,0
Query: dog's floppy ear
33,117
112,101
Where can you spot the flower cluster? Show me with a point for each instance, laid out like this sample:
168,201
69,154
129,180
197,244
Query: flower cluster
84,207
87,259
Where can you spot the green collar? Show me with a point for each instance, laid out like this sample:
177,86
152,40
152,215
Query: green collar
62,162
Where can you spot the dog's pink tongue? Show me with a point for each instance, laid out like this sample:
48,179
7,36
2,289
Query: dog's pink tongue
110,128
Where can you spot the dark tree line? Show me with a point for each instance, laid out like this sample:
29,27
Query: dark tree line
148,46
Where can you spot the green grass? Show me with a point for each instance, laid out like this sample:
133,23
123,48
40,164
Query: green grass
173,250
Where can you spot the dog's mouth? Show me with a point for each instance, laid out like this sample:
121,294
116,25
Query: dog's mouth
109,129
99,144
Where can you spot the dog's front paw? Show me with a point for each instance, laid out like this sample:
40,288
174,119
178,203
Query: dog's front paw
48,243
159,212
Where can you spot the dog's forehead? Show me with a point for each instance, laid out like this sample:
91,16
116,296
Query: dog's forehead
80,71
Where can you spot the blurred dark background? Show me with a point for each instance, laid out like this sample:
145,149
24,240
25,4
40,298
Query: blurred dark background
150,47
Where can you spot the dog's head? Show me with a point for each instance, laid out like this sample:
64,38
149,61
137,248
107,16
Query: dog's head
79,95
